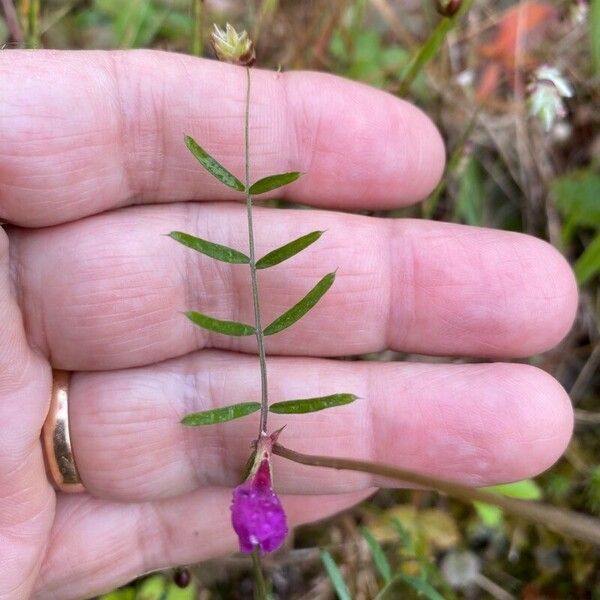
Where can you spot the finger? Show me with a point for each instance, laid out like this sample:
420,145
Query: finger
83,132
475,424
26,498
97,545
415,286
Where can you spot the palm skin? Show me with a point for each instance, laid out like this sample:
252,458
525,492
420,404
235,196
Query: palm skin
94,171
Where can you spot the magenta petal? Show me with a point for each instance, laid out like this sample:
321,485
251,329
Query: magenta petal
257,515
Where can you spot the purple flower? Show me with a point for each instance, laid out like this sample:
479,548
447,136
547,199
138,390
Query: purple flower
256,512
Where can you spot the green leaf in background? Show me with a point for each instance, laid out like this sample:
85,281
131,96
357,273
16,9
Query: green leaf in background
125,593
526,489
220,415
225,327
288,250
272,182
156,587
577,196
469,200
223,253
594,21
335,575
153,587
299,310
379,557
176,593
306,405
212,166
588,264
492,516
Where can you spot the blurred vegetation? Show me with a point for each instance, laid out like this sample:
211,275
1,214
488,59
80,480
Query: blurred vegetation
470,73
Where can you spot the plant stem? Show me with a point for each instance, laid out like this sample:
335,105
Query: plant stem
430,48
567,522
198,27
261,586
264,398
33,24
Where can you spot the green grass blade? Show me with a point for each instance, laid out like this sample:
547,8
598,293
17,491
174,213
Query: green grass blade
339,585
306,405
220,415
225,327
420,585
288,250
272,182
212,166
222,253
379,557
297,311
431,47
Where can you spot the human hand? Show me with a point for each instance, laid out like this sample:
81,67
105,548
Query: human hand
90,286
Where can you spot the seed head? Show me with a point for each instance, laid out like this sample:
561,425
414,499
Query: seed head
233,47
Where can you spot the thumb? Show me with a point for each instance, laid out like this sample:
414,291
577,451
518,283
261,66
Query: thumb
26,497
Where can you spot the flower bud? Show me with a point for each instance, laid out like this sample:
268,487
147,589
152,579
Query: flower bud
447,8
233,47
256,512
182,577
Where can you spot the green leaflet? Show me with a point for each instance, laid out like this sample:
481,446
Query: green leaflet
297,311
272,182
339,585
379,557
220,415
225,327
212,166
306,405
288,250
223,253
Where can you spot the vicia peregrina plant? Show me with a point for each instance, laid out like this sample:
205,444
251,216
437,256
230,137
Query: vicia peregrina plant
256,512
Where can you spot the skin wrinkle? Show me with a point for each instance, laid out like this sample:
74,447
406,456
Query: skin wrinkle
122,138
306,128
199,382
404,262
75,565
419,400
471,316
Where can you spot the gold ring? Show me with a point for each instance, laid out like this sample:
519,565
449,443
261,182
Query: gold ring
56,438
